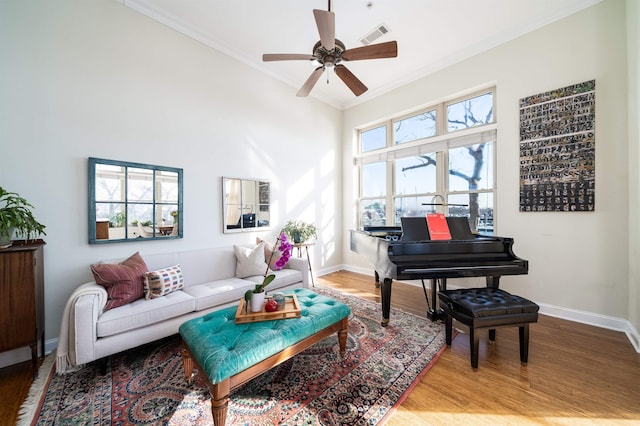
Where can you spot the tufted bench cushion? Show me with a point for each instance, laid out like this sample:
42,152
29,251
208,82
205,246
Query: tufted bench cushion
488,307
486,302
224,348
230,354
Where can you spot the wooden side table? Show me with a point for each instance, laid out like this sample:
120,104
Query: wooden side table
306,245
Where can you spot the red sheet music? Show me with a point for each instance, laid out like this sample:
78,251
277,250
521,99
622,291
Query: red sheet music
438,227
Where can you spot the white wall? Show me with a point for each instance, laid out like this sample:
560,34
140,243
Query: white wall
633,45
577,261
96,79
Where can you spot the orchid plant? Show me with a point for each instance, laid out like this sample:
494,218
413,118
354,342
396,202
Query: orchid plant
282,246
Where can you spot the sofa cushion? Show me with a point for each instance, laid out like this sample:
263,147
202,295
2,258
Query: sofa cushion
250,261
219,292
123,281
163,281
284,277
142,313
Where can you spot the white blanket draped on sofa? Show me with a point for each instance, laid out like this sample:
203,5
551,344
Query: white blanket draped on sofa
66,353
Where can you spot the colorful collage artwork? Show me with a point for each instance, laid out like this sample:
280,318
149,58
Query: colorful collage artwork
557,150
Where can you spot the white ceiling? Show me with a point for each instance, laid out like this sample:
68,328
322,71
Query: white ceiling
431,34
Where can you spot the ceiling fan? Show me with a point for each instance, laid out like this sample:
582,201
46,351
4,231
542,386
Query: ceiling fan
329,52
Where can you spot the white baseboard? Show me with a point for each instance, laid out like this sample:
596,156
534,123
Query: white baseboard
598,320
24,354
590,318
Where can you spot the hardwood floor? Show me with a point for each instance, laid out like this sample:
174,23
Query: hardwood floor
577,374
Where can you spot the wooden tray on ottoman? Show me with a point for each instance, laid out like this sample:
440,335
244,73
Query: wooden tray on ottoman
291,310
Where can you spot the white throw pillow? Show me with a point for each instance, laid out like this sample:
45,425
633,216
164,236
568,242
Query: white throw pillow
250,261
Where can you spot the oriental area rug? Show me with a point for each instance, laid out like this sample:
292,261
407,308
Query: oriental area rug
146,386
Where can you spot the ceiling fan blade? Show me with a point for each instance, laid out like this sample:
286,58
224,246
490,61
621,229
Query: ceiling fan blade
267,57
326,22
352,82
311,81
373,51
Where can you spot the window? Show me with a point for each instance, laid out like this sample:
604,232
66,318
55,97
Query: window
416,127
373,139
439,159
373,200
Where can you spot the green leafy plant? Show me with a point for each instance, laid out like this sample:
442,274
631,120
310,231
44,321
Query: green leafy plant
299,231
16,214
117,220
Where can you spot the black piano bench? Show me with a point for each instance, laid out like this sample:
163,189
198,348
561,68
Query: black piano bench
488,307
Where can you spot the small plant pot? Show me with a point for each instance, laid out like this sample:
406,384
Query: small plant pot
257,301
5,239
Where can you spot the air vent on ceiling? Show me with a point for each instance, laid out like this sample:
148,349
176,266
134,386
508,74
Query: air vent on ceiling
377,32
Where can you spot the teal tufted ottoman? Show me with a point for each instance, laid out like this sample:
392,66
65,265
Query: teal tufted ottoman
229,354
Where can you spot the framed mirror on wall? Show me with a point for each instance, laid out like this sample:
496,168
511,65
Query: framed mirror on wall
133,202
245,204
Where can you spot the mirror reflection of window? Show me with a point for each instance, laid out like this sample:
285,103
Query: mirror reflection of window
129,201
233,201
245,204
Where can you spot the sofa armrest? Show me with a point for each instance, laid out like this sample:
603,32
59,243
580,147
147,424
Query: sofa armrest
301,265
87,307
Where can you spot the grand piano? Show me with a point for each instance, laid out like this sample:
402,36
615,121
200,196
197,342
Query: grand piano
408,253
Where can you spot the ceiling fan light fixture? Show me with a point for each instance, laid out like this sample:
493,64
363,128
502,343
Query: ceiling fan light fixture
330,52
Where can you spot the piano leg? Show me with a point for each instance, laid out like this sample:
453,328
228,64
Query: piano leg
434,313
493,282
385,295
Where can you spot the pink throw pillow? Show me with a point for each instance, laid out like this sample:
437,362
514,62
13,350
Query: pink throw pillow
123,281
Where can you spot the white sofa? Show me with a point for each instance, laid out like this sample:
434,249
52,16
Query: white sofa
209,284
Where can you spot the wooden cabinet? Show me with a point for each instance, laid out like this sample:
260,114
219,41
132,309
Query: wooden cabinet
22,298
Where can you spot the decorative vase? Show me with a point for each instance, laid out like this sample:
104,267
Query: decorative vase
257,301
297,238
